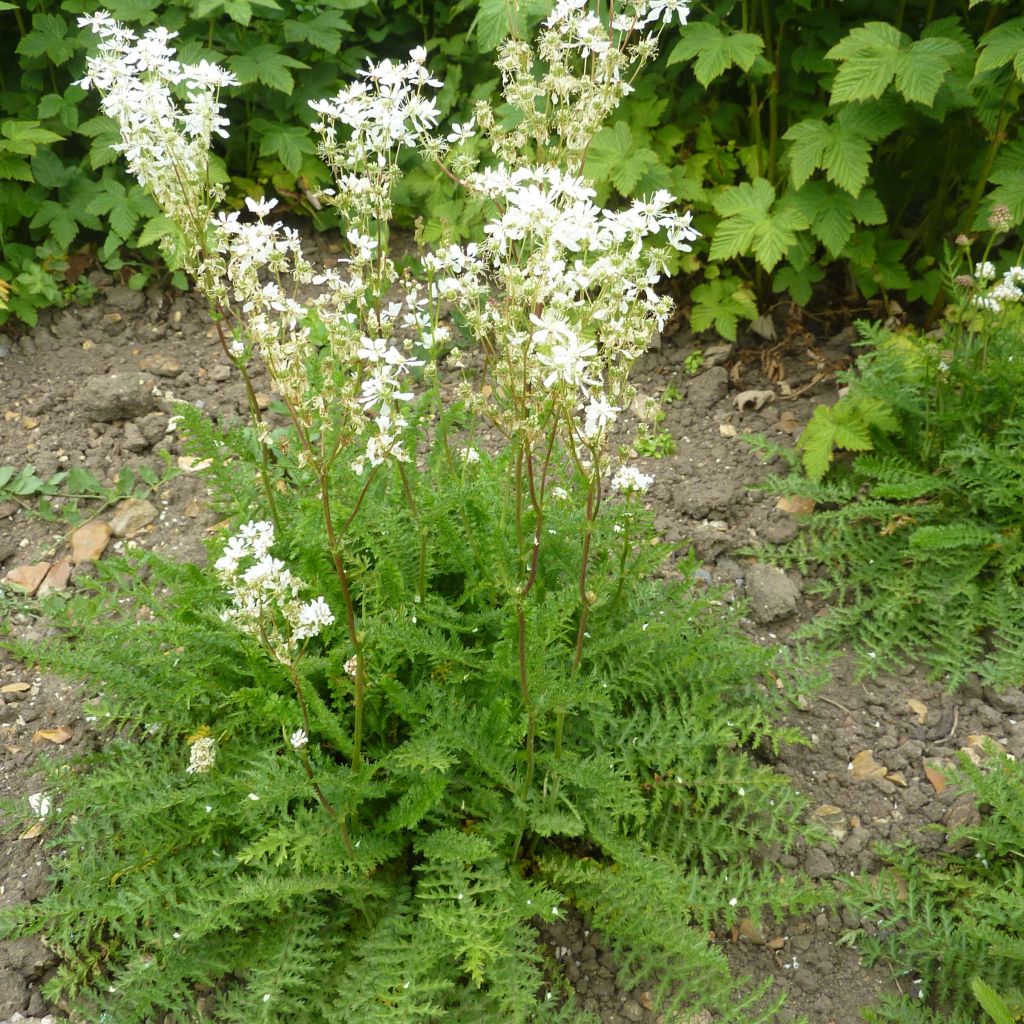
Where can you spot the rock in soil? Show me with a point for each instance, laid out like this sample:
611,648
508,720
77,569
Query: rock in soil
106,397
14,993
772,594
131,515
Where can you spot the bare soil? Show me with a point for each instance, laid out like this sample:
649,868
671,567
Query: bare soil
49,382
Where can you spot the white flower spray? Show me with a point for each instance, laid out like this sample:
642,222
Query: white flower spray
560,294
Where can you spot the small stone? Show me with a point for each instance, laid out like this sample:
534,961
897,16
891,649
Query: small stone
128,299
7,509
161,365
134,441
963,813
28,577
708,388
817,864
750,931
57,577
864,766
130,516
107,397
153,427
1010,702
632,1010
772,594
14,993
220,373
88,542
898,778
831,818
263,400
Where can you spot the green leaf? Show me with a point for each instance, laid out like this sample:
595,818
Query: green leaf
493,22
289,143
154,229
123,220
1003,45
25,137
49,170
922,68
951,536
322,31
877,54
265,63
798,282
48,39
1008,175
751,224
615,156
722,302
61,222
715,51
991,1002
815,441
15,168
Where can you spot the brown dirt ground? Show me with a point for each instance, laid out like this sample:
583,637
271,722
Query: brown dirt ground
701,497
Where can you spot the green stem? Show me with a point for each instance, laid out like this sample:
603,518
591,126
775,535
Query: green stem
414,511
350,620
257,418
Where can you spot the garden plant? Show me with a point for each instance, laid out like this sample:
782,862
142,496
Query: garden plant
431,693
918,483
805,145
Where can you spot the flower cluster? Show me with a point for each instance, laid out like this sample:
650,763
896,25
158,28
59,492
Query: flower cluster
629,480
264,593
202,755
1009,290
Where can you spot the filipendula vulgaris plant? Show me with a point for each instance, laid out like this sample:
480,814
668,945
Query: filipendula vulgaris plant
430,696
919,518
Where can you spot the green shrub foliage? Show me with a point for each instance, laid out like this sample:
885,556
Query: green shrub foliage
650,817
919,485
953,928
803,133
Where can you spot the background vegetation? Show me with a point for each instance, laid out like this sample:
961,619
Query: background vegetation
804,134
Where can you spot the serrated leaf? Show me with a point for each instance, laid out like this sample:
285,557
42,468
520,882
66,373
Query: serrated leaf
816,443
24,137
833,226
851,433
715,51
48,39
750,224
798,282
991,1002
265,63
722,302
809,140
289,143
154,229
322,31
922,68
15,168
847,160
123,220
492,23
1003,45
49,171
951,536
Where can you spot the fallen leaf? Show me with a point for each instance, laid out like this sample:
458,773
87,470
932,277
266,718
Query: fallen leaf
190,464
758,399
29,422
33,831
776,943
16,688
864,766
645,1000
59,735
934,776
727,430
898,778
763,327
796,506
919,708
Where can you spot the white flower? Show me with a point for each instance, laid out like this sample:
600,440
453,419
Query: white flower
984,271
299,739
254,796
260,207
630,480
202,756
600,415
312,617
663,10
469,455
462,132
40,804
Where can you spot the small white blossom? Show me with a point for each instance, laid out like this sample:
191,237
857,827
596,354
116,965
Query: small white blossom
299,739
630,480
202,756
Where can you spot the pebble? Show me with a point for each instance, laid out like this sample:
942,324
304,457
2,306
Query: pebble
28,577
707,389
130,516
772,594
818,864
88,542
632,1010
14,993
57,578
106,397
161,365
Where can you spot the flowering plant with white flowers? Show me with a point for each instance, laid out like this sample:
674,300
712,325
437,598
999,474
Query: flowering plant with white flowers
432,652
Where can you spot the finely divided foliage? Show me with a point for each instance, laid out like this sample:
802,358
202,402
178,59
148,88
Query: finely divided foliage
430,695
